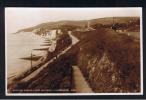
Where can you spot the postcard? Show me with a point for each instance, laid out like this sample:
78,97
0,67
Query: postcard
73,51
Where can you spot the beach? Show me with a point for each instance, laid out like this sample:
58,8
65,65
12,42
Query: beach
21,45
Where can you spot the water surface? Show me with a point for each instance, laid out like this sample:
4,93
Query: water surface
18,46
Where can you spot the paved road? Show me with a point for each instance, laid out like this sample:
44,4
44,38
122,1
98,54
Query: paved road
81,85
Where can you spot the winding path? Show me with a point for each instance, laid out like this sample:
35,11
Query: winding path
33,74
81,85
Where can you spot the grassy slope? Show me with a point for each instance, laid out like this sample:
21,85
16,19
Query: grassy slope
121,49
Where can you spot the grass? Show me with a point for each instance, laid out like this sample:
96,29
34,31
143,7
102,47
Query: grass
122,50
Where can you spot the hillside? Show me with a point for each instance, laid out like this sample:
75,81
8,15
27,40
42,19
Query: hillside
109,61
81,23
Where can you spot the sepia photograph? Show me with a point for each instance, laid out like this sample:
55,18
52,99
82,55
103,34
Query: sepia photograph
73,51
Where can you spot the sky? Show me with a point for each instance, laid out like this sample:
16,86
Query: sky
19,18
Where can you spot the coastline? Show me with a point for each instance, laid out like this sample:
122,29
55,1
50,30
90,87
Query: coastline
18,58
51,56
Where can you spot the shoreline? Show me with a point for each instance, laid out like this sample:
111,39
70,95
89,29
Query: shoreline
20,46
59,51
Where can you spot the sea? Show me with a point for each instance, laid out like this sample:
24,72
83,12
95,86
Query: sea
21,45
